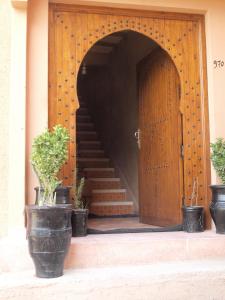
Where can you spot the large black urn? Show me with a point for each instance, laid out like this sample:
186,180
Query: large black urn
217,207
49,233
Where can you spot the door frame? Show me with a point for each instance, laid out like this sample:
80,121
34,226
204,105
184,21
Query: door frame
73,30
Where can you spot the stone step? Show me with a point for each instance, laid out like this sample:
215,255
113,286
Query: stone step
87,135
111,250
89,145
108,195
91,153
83,118
111,208
99,172
85,126
93,162
104,183
193,280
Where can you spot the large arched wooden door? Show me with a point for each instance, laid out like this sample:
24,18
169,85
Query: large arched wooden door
160,161
74,29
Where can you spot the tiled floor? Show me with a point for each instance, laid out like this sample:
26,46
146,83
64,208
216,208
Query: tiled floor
116,223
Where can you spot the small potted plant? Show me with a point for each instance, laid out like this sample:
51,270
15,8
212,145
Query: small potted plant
49,225
217,206
62,194
80,211
193,215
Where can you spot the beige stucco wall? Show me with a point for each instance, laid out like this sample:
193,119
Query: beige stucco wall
12,117
5,46
12,114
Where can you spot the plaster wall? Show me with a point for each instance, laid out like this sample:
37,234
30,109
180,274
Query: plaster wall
5,60
12,115
37,82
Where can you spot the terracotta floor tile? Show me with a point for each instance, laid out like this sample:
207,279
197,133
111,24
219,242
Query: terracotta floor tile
115,223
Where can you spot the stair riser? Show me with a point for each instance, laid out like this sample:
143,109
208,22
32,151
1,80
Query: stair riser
82,104
87,136
108,197
83,118
85,126
82,111
104,185
95,251
100,174
113,210
89,146
93,164
91,154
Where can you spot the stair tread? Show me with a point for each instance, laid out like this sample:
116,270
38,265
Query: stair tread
104,191
99,169
92,159
83,116
91,151
151,275
89,142
86,132
112,203
104,179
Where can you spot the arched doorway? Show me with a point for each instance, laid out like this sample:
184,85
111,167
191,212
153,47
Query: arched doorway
124,91
74,30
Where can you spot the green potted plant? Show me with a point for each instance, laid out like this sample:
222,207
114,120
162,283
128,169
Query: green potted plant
217,206
49,225
80,211
193,215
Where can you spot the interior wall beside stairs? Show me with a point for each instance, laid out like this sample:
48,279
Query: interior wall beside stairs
111,93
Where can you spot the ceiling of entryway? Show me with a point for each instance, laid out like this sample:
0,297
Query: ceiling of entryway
100,52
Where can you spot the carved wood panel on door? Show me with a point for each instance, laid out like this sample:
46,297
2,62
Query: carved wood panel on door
75,29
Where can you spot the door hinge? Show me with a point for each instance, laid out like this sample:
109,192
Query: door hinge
137,135
182,151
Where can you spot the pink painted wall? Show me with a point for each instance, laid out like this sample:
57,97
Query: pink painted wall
37,82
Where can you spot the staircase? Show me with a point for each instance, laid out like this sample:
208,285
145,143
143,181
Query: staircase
103,188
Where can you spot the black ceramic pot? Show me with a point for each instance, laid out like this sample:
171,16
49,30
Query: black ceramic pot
217,207
62,194
193,218
49,233
79,222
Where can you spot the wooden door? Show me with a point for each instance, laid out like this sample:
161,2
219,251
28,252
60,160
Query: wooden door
74,29
160,161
